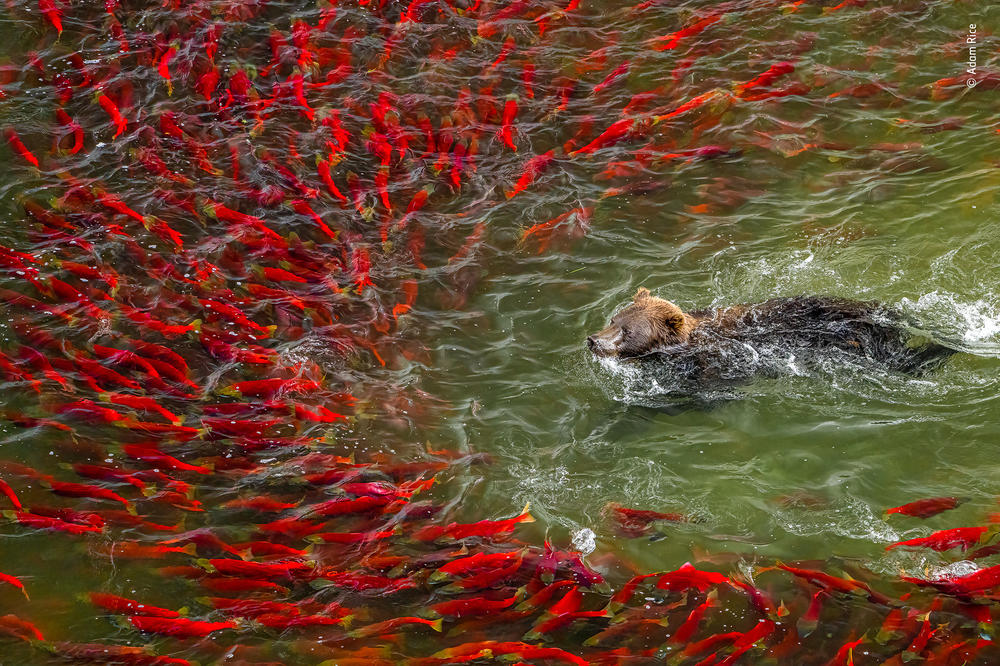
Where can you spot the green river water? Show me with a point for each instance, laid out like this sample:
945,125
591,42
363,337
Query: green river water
801,467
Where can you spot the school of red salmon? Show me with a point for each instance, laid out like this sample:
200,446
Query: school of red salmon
190,333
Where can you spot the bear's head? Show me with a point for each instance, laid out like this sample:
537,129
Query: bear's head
647,323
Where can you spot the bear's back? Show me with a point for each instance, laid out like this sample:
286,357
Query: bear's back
736,343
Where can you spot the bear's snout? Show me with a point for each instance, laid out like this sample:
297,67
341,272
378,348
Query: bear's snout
604,343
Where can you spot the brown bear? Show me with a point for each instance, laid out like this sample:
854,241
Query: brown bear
742,341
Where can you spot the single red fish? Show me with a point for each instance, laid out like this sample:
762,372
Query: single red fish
532,168
834,583
491,649
528,79
765,78
622,596
300,97
133,550
482,528
19,147
610,79
266,570
505,51
117,205
205,538
151,454
545,231
977,581
283,622
671,41
160,430
963,537
14,626
350,537
234,315
926,508
52,12
112,110
49,523
797,88
418,201
11,495
388,626
69,515
301,207
268,549
686,631
269,388
238,585
229,427
506,131
260,503
251,607
123,606
612,135
688,577
164,67
636,522
108,473
808,621
16,582
845,3
474,606
141,402
178,627
323,169
360,582
693,103
67,489
342,506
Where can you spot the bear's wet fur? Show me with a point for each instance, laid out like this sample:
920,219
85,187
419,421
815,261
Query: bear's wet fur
742,341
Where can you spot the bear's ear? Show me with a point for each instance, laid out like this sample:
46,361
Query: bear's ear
675,320
640,295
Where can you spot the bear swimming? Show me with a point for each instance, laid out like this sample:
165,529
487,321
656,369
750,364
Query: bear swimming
733,344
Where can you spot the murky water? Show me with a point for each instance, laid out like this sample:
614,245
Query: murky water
873,182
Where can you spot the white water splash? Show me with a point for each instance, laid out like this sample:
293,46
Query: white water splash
977,321
852,518
584,540
953,570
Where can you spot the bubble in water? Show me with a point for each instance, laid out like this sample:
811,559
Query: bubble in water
584,540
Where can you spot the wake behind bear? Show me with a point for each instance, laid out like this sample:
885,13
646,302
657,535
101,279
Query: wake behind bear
731,345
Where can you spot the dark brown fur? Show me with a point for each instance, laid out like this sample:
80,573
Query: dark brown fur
741,341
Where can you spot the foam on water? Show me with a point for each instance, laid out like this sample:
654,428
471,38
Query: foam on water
850,517
976,323
584,540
